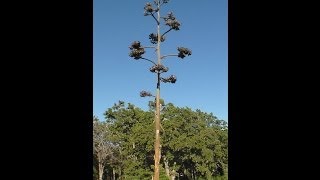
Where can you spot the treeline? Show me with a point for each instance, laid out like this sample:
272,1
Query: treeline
194,144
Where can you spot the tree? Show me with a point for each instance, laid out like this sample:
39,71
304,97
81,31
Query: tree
131,130
137,50
103,149
194,143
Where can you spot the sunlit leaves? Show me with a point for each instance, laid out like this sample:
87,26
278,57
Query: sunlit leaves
192,141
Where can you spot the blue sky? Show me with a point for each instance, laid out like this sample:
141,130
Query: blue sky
202,78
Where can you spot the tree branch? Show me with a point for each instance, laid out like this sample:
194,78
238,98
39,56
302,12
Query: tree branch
166,32
149,47
149,60
155,19
162,57
161,4
162,128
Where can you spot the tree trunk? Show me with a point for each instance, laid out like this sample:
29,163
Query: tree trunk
101,168
171,175
114,174
192,174
166,166
120,173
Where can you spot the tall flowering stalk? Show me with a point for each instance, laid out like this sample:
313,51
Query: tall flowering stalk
137,51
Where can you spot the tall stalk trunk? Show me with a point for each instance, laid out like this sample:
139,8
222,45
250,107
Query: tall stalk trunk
157,118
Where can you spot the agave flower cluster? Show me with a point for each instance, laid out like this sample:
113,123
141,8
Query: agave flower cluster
170,79
159,68
154,38
136,50
171,21
149,10
183,52
145,93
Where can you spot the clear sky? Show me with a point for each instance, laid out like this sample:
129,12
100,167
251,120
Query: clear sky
202,81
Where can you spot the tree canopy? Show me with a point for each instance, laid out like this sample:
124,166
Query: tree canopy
194,143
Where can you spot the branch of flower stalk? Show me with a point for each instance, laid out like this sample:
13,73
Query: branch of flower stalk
163,3
145,94
155,19
149,47
156,2
149,60
162,57
166,32
171,79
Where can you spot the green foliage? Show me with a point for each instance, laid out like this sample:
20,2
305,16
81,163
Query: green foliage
152,104
194,143
162,175
132,131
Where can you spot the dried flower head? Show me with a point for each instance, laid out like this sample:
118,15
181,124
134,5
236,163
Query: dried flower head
170,79
183,52
169,16
154,38
145,93
159,68
136,50
148,9
135,45
171,21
